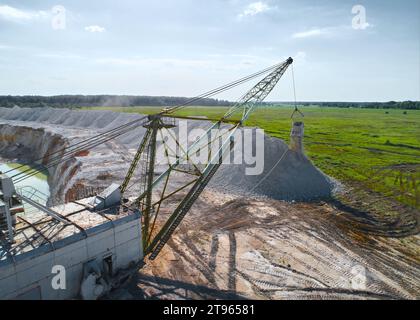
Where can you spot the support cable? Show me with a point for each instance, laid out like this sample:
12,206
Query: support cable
296,110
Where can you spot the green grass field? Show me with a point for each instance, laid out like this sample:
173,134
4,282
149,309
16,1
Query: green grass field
375,149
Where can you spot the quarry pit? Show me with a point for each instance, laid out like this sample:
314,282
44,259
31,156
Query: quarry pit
283,240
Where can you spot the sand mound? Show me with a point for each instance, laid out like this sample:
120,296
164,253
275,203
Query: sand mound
286,175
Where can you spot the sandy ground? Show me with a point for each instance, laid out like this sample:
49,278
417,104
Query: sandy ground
253,248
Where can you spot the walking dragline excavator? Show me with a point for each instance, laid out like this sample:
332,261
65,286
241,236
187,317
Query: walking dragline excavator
156,190
164,196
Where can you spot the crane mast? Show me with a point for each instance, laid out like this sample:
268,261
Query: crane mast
156,190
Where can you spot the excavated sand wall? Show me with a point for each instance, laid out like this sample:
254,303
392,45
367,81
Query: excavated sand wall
38,145
33,133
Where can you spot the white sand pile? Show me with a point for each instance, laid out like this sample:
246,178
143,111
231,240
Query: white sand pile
292,178
287,175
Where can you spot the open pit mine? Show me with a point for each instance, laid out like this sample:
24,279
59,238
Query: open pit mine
130,206
245,237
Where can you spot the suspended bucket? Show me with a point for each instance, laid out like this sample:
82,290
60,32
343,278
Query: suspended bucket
297,132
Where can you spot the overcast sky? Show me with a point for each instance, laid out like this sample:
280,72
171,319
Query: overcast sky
186,47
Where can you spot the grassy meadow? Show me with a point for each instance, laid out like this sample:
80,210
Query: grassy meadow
374,149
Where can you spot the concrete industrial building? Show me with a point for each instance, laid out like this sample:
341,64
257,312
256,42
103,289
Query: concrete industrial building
93,247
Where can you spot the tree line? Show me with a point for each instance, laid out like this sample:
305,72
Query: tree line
74,101
404,105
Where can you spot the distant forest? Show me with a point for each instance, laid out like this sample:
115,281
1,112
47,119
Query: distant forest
406,105
76,101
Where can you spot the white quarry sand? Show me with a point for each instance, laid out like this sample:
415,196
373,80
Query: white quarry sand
286,175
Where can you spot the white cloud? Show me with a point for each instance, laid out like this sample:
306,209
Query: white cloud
254,8
94,29
311,33
11,13
366,25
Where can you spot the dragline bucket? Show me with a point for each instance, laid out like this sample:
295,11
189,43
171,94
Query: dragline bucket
296,137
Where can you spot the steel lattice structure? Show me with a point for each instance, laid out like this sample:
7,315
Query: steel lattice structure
196,176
